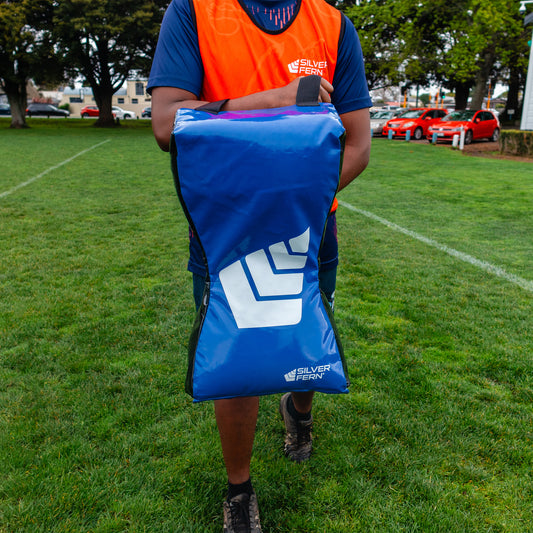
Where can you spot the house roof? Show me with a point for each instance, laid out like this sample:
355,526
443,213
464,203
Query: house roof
77,91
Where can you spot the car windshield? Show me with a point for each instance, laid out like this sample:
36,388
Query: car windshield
415,113
384,114
460,115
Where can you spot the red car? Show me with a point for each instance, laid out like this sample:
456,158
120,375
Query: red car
89,111
480,124
92,111
416,121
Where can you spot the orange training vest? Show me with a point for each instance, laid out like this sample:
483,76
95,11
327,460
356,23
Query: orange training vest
239,58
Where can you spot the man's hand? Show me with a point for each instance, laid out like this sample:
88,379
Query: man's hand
286,96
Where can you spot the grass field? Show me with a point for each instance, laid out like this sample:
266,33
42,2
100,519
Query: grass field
434,306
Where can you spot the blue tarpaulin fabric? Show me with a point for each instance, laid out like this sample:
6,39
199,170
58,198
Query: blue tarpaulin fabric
256,187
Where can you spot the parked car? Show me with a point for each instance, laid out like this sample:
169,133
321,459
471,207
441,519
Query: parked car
147,112
416,121
89,111
477,124
46,110
5,109
123,113
380,118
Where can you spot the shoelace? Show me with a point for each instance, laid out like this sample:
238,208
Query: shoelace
303,434
239,517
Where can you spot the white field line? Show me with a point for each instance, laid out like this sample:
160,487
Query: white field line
497,271
31,180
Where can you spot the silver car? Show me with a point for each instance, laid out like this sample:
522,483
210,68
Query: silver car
378,119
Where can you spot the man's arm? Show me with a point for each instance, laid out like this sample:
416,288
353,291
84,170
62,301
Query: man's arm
165,103
357,147
167,100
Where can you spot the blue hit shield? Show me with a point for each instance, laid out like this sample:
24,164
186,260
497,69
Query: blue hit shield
257,187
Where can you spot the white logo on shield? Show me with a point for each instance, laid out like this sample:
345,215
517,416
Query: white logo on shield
276,304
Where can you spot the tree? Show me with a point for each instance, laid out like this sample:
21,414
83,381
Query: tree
514,57
104,41
495,25
407,40
437,45
456,44
378,25
26,51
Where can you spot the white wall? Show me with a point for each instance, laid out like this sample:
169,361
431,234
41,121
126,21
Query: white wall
527,108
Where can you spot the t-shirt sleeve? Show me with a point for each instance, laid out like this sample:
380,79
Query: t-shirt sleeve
177,61
350,88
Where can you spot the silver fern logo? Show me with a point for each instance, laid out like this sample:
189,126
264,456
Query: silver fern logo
261,296
290,376
307,66
308,373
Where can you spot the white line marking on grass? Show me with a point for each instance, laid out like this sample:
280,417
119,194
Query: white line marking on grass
497,271
31,180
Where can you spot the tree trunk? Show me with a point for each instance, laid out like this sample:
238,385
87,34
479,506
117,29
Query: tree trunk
103,96
512,96
482,79
462,90
103,88
18,101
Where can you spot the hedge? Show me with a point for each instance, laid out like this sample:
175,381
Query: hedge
516,142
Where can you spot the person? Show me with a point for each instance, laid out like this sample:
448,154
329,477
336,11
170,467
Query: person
252,54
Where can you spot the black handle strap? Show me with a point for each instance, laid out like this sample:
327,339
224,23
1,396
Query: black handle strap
308,91
213,107
307,95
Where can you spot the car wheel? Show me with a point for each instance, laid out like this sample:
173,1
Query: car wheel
418,134
468,137
495,135
85,115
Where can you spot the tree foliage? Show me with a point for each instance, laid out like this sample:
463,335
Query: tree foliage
378,26
105,40
457,44
26,51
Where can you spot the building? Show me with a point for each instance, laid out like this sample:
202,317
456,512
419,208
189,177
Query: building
132,97
527,106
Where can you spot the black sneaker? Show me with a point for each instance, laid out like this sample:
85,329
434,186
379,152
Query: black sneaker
241,514
298,439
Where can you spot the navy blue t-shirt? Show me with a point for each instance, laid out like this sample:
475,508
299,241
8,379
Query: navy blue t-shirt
178,63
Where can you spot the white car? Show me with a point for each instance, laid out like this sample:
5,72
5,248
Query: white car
122,113
378,120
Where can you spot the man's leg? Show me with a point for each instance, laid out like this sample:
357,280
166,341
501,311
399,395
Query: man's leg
236,421
303,401
295,408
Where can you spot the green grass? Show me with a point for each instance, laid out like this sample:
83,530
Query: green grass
96,433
